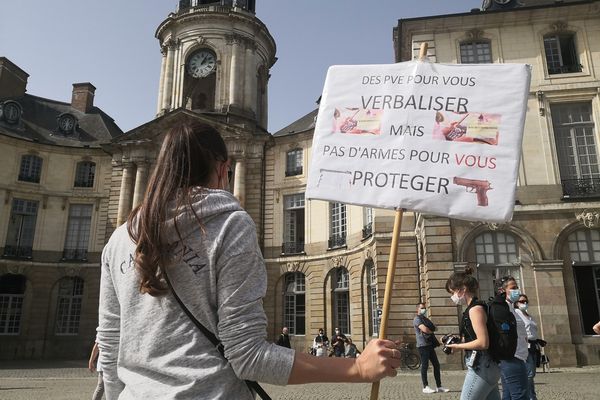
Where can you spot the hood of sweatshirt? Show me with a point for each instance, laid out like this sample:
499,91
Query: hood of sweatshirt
207,204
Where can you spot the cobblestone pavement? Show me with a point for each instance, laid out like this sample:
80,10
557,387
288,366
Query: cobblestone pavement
72,381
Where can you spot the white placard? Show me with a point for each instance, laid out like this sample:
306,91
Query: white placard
437,138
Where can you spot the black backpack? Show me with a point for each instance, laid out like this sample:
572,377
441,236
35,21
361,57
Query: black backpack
502,329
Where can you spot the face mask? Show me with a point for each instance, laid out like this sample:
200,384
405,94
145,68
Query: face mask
523,307
514,295
422,311
458,300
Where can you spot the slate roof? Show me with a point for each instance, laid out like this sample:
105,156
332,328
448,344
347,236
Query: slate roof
300,125
38,123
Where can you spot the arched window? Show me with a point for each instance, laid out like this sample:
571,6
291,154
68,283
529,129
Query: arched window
561,53
584,249
341,300
31,168
85,173
475,52
68,306
497,255
374,316
12,293
294,300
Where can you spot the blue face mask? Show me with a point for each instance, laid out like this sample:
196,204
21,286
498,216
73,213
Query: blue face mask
514,295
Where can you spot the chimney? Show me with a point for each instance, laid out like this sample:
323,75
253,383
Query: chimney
83,96
13,80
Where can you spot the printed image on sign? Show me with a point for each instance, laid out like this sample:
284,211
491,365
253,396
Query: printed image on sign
437,138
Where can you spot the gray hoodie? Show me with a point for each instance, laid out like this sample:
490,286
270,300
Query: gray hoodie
149,349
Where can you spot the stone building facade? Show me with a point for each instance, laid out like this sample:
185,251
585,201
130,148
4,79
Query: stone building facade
326,262
54,177
551,246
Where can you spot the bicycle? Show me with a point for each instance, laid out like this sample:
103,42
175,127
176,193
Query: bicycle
408,358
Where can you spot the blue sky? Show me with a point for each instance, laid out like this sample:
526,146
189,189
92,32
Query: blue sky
111,44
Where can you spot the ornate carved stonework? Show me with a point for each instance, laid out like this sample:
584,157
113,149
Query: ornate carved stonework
294,266
474,34
559,26
336,262
590,219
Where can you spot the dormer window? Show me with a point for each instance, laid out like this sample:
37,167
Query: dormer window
11,112
67,123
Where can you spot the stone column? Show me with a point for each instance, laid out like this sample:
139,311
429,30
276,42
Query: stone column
549,309
141,180
250,94
161,92
234,73
125,194
239,185
168,80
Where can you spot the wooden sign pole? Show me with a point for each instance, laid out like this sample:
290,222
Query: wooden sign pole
391,270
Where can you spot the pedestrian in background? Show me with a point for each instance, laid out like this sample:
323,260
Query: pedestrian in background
521,307
514,371
284,338
338,341
191,238
426,344
320,344
93,366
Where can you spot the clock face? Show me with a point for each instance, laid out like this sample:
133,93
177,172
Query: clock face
11,112
502,1
201,64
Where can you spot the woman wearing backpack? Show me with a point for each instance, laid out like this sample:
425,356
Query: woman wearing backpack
483,373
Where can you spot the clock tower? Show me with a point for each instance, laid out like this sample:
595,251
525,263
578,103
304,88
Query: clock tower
216,60
216,57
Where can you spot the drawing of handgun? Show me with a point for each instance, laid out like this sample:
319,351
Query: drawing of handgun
475,186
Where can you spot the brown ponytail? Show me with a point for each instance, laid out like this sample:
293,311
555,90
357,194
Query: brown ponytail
460,280
187,159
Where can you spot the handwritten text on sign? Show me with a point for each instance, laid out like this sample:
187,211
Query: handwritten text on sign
443,139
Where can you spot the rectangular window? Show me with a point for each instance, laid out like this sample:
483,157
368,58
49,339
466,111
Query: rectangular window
84,174
21,229
11,308
78,232
574,133
293,221
68,313
561,54
293,162
368,218
337,225
477,52
342,310
31,168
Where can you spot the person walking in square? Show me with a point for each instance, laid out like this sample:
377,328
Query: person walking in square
426,344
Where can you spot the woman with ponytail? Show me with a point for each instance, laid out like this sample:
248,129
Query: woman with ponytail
481,381
191,232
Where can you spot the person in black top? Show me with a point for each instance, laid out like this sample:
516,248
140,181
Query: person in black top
338,342
483,373
284,338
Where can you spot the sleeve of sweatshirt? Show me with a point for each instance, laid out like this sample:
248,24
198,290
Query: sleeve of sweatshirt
242,327
109,320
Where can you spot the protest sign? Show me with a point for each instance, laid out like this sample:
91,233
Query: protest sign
437,138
